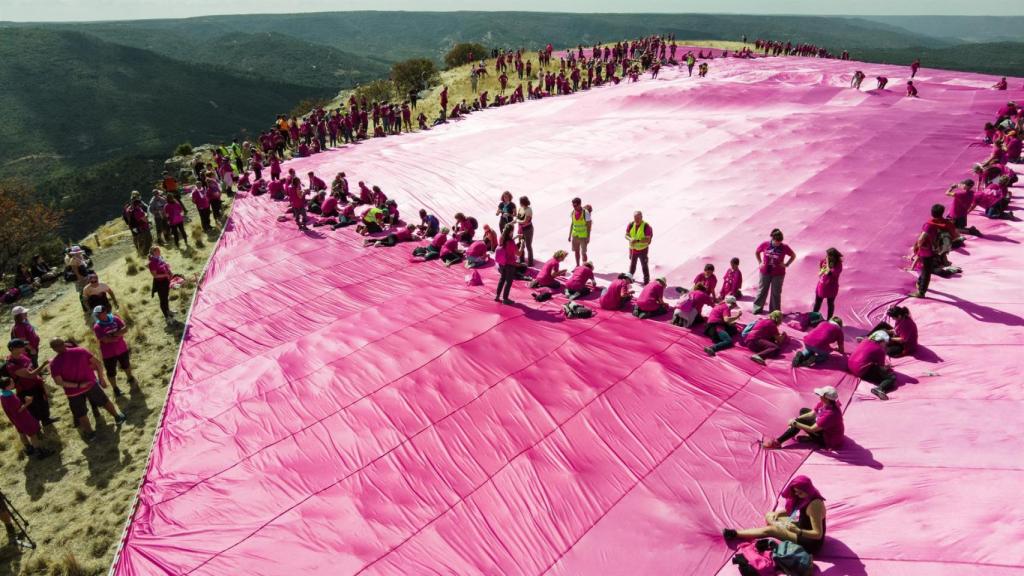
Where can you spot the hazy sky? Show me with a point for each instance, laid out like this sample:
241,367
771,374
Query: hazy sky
56,10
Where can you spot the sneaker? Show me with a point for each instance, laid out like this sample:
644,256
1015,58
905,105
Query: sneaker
758,311
916,294
757,358
120,418
496,299
770,444
49,421
880,393
797,361
709,351
508,301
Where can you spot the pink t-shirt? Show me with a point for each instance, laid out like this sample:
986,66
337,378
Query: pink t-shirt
451,246
611,298
201,200
906,329
824,335
828,283
719,313
650,297
115,348
731,282
22,420
962,200
694,300
22,383
579,278
73,365
867,353
438,241
773,258
764,329
329,206
175,213
546,276
25,331
403,235
506,254
710,282
477,249
830,420
159,267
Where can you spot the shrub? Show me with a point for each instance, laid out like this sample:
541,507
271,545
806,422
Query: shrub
308,105
376,91
183,149
26,225
464,53
415,74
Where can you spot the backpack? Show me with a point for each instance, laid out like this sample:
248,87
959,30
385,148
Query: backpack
576,310
542,295
755,558
474,279
792,559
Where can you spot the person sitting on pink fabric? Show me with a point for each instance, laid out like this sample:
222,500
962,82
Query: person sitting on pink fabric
365,194
902,333
708,278
550,271
732,280
868,362
1001,85
450,253
829,269
963,203
687,312
476,254
406,234
763,337
802,520
577,284
911,89
433,249
823,424
651,301
818,343
617,293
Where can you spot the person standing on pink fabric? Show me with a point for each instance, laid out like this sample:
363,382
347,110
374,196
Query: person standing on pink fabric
639,234
823,425
914,67
829,269
651,301
773,257
506,257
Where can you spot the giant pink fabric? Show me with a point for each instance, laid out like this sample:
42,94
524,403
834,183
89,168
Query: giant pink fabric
338,410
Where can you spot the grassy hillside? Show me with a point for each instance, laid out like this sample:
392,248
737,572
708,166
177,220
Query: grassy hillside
71,101
432,33
962,28
999,58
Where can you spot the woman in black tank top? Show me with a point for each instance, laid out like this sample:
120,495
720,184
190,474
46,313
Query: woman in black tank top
802,520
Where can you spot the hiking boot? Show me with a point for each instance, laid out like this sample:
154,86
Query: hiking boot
916,294
797,361
880,393
757,358
709,351
508,301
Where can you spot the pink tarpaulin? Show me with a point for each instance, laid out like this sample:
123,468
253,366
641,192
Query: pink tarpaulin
340,409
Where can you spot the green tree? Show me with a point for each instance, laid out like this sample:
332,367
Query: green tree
464,53
376,91
414,74
26,224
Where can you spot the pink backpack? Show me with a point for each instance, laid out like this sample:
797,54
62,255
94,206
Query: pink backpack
474,279
753,562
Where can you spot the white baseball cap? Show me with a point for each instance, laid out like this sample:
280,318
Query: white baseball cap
18,311
827,392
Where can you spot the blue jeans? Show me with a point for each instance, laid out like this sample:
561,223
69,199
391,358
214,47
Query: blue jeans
819,354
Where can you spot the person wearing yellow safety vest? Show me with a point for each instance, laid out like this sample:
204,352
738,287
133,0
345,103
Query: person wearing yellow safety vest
579,229
372,221
639,234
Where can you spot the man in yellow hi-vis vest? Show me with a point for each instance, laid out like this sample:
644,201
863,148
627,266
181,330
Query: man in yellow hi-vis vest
579,230
639,234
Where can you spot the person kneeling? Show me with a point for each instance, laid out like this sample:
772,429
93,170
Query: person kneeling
432,250
818,343
763,338
476,254
577,284
651,301
550,271
450,253
823,424
688,309
721,326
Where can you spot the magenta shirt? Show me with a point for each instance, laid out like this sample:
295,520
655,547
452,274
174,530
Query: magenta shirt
451,246
477,249
25,331
111,349
828,284
764,329
731,282
867,353
22,383
823,335
159,266
175,213
23,421
695,300
710,282
650,296
547,272
439,241
963,198
506,254
718,314
73,365
611,298
329,206
579,278
830,420
773,258
201,200
906,329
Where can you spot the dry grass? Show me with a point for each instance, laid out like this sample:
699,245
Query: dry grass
77,500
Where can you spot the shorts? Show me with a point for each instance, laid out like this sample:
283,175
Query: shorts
95,396
111,364
579,243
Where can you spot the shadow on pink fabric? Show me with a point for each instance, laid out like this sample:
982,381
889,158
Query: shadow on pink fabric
340,410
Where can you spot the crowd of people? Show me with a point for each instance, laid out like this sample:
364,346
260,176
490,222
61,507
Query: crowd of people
256,168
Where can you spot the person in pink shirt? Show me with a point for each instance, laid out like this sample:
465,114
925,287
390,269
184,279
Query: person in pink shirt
823,425
580,281
882,81
202,201
450,252
329,207
688,309
507,257
476,254
297,202
801,521
868,362
81,376
550,271
902,333
732,280
28,381
708,278
433,249
829,269
618,293
914,66
911,89
315,183
162,275
23,330
818,343
763,337
404,234
25,424
963,203
773,257
175,212
721,325
110,330
651,301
